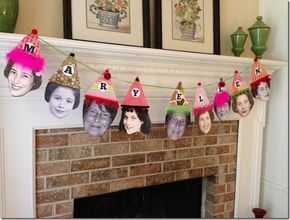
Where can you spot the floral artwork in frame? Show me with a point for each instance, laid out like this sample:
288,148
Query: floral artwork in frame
188,25
124,22
188,20
109,15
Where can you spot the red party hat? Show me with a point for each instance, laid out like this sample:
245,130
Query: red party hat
258,74
135,96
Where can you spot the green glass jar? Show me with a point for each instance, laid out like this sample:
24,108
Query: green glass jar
8,15
259,33
238,41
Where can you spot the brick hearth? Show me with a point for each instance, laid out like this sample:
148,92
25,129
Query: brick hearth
70,164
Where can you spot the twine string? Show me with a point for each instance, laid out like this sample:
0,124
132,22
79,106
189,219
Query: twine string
130,82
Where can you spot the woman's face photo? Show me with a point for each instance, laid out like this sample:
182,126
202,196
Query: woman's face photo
131,121
204,122
20,80
243,105
97,119
263,92
176,126
222,111
61,101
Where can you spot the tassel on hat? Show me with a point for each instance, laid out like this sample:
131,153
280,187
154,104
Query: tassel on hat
201,101
102,91
258,74
178,101
239,86
135,96
67,73
27,53
221,96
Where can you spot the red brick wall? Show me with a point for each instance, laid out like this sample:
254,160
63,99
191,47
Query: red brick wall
71,164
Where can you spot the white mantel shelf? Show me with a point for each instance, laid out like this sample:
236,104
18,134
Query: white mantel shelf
20,116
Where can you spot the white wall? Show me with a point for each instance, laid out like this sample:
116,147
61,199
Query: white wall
274,179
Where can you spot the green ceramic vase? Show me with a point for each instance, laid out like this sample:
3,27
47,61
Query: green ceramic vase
259,33
238,38
8,15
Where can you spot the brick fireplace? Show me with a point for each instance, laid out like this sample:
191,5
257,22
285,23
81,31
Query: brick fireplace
71,164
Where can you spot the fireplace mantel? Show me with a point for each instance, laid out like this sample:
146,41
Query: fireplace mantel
20,116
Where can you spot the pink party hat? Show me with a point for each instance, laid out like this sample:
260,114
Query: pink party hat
27,53
135,96
201,102
258,74
221,96
102,91
238,85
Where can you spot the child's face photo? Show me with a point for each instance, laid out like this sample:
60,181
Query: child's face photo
223,111
20,80
97,119
243,105
204,122
61,101
263,92
131,121
176,125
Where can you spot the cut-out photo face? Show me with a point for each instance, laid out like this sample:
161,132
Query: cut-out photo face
61,99
21,80
243,105
135,120
223,111
263,91
176,123
205,121
132,122
97,118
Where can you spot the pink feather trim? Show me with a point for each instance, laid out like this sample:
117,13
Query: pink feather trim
221,98
199,110
26,60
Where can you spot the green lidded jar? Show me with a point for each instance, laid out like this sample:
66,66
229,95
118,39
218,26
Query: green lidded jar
259,33
8,15
238,39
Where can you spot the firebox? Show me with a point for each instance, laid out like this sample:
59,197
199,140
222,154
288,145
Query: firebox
180,199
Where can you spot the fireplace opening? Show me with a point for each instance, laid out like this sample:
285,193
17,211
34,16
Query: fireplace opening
172,200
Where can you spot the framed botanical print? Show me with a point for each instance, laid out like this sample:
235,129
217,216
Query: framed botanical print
188,25
108,21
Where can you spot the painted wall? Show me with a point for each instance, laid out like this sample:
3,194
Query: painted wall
274,179
38,14
45,16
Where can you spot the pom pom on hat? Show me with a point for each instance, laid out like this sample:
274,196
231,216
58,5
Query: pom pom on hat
258,74
27,53
201,101
221,96
135,96
102,91
67,73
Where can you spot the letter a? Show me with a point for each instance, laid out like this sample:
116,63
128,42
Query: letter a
68,70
